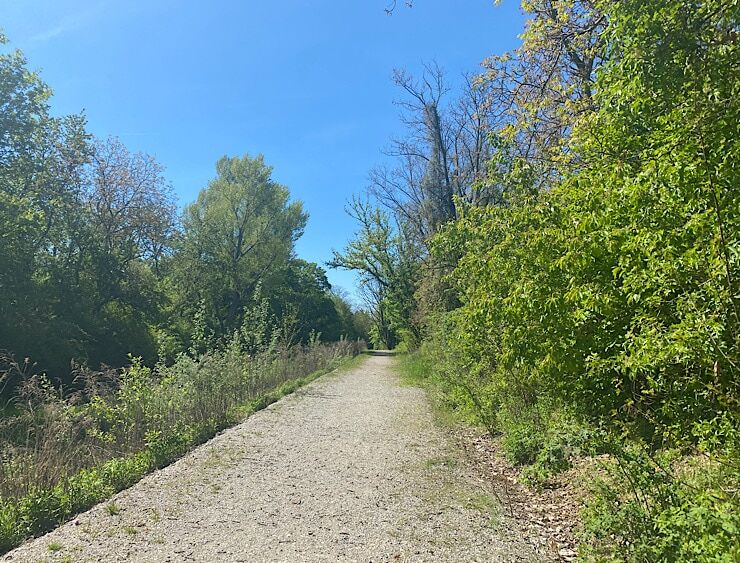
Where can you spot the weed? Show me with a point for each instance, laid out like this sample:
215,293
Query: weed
62,455
440,462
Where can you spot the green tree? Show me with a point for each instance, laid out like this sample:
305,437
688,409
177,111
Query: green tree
387,271
300,293
83,226
613,295
41,170
241,228
131,222
355,323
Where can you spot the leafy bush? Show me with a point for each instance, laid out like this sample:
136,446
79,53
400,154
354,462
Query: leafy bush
664,506
523,444
613,296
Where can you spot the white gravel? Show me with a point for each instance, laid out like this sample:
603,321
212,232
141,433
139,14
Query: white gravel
349,468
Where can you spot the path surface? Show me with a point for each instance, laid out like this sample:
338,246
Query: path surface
349,468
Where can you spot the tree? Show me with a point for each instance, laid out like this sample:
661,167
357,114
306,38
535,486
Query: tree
387,273
538,92
443,156
241,228
301,294
355,323
132,214
41,168
83,225
130,221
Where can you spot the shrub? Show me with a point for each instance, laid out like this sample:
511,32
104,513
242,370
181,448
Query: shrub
62,453
522,444
615,292
663,506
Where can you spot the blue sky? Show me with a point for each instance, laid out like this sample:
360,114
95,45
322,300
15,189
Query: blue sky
306,83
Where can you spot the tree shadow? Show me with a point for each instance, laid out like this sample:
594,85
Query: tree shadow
380,352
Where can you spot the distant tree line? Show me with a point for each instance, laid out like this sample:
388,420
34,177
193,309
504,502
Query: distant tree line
96,262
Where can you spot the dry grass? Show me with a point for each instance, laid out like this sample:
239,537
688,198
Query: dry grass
50,434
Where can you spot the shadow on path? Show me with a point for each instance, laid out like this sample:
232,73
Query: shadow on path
380,353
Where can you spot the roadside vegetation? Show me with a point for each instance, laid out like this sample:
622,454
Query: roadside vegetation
63,452
132,331
97,262
559,249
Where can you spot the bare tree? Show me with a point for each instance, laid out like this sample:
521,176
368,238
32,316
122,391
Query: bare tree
538,91
443,156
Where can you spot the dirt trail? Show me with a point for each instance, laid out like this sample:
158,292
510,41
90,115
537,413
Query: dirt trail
349,468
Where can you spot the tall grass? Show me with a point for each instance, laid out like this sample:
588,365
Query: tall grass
61,452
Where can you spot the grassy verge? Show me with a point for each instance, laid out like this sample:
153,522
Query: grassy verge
642,502
265,400
41,508
540,440
418,369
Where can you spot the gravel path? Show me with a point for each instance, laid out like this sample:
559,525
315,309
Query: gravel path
349,468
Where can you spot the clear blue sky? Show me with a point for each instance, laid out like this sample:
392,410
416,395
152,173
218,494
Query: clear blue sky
305,82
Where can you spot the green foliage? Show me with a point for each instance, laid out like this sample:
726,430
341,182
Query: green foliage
663,506
241,228
94,266
602,314
355,323
561,439
106,439
387,268
419,368
83,224
42,509
306,301
34,149
522,444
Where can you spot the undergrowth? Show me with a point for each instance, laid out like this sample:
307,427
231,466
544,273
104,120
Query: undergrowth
418,370
64,452
644,503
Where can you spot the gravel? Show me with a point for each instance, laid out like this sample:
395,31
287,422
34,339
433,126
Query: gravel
352,467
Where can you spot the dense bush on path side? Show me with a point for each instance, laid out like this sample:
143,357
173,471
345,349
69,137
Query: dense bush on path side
610,303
